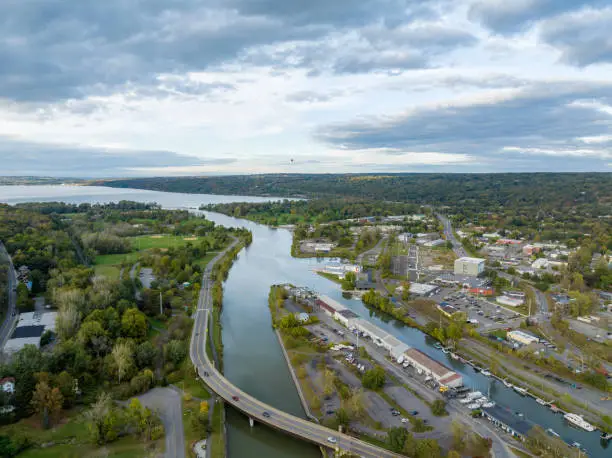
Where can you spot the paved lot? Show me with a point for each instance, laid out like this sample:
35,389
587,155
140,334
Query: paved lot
593,332
146,277
167,402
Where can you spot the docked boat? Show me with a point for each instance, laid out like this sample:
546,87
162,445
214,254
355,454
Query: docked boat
507,384
465,401
437,346
445,350
454,356
485,373
578,421
542,402
519,390
554,408
489,404
474,395
552,432
474,406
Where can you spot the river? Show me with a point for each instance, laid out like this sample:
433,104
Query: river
253,359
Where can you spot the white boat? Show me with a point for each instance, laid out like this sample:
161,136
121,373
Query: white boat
482,400
489,404
542,402
474,395
445,350
474,406
577,420
454,356
465,401
507,384
519,390
552,432
485,372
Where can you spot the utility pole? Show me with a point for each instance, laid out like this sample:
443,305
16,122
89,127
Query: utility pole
161,305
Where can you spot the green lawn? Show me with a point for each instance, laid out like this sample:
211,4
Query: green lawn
115,259
330,277
146,242
126,447
202,262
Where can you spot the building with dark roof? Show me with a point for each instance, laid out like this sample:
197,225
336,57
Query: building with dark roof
507,421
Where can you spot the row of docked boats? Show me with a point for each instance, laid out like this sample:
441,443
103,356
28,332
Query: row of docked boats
476,400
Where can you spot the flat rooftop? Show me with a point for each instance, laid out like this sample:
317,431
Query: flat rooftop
471,260
508,418
28,331
432,365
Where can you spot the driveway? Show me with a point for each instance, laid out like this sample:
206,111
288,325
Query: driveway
167,402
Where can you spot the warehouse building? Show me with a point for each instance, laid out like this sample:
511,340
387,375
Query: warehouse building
329,305
30,327
439,372
346,317
522,337
469,266
510,301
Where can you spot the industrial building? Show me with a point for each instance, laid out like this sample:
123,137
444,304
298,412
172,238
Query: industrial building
522,337
469,266
345,316
447,309
340,269
423,289
30,327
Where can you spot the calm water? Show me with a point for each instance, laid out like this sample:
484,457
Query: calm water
253,359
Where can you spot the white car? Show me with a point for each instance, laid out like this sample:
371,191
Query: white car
405,420
331,440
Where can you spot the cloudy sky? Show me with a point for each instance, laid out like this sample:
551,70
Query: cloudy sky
173,87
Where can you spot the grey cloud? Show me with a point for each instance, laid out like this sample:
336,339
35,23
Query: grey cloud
539,119
583,39
510,16
19,157
55,50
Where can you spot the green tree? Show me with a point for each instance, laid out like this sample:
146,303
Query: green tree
134,324
438,408
47,401
122,357
428,448
374,379
396,438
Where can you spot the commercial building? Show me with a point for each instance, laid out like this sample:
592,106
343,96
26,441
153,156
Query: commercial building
529,249
484,291
521,337
508,242
329,305
340,269
422,289
439,372
507,421
469,266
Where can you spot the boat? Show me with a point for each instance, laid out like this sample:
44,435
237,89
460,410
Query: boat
507,383
489,404
519,390
474,395
465,401
542,402
578,421
485,373
552,432
454,356
606,436
554,408
445,350
437,346
482,400
474,406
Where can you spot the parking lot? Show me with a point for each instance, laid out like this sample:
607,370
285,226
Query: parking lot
489,315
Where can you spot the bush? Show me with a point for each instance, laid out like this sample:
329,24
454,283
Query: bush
374,379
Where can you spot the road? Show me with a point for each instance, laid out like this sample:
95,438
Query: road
167,403
450,235
11,313
254,408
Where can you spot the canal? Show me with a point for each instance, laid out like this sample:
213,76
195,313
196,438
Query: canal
253,359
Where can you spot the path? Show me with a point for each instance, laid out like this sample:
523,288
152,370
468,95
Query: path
167,402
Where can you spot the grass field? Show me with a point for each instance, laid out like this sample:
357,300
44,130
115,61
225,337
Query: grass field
126,447
146,242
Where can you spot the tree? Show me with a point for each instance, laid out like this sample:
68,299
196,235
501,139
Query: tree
46,401
428,448
145,355
204,407
328,382
374,379
458,432
438,408
67,321
65,383
342,417
134,324
122,356
356,403
175,350
396,438
99,420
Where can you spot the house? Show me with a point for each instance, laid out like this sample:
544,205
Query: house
8,384
529,249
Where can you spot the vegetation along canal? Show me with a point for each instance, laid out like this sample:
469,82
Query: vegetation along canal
253,358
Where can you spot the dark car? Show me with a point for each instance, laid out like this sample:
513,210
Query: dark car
235,398
206,374
414,412
266,414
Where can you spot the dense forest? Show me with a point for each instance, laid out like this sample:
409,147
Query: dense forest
312,211
539,192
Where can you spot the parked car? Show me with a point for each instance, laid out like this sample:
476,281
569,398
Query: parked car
266,414
331,440
235,398
405,420
414,412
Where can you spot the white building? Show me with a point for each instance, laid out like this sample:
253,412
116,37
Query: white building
439,372
469,266
421,289
433,243
346,317
522,337
510,301
30,327
340,269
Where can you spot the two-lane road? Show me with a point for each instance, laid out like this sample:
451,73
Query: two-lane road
7,324
254,408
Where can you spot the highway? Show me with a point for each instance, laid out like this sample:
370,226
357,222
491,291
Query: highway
7,324
254,408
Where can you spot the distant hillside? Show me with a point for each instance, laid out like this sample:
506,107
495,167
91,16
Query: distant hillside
540,191
25,180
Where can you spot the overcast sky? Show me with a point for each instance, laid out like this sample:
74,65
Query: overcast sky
185,87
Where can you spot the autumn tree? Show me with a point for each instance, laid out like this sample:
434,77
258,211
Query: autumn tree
46,401
122,356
